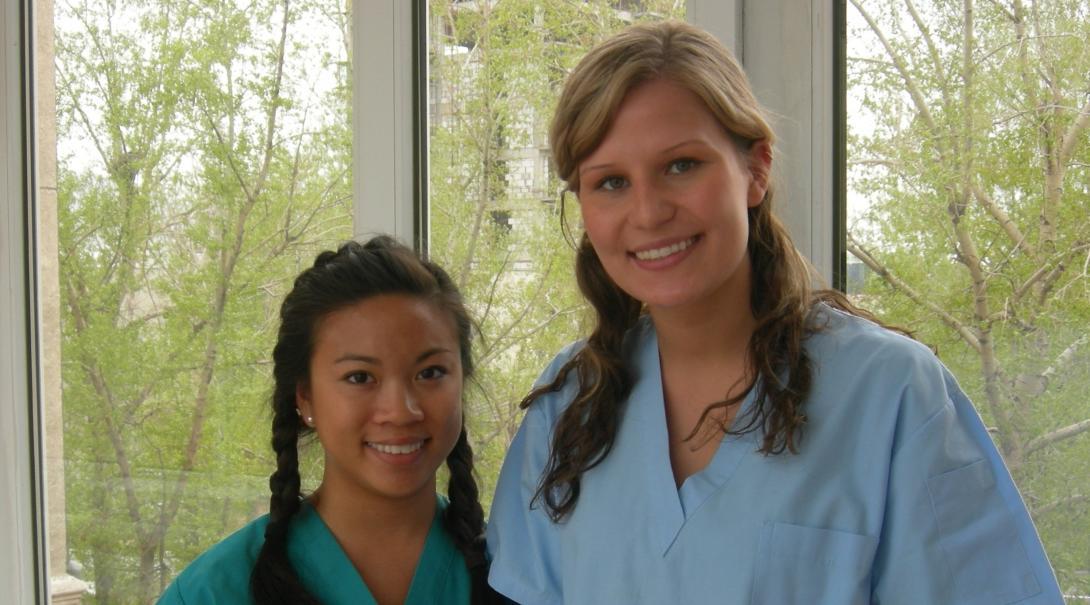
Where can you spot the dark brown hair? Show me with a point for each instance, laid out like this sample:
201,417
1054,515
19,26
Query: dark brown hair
338,279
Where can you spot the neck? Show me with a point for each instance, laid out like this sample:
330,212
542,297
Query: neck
382,537
357,518
717,327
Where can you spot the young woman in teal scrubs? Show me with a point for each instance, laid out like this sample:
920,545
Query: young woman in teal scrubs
725,434
372,354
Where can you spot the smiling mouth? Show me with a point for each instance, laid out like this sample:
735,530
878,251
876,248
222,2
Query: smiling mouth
663,252
401,449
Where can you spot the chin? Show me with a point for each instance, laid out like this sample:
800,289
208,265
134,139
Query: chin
665,300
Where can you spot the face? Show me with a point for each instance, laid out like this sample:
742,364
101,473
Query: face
384,394
664,199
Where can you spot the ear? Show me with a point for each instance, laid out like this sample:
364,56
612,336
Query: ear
302,401
759,159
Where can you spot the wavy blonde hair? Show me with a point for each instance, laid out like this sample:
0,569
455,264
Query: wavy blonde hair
781,297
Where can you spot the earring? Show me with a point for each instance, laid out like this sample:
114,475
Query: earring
310,421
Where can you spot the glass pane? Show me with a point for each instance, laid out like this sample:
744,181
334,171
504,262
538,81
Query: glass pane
495,208
968,223
202,158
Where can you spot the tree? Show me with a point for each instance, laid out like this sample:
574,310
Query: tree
974,171
196,178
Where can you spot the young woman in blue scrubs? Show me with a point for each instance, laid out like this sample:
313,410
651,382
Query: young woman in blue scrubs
372,353
726,434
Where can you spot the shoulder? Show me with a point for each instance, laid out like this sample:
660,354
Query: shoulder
840,336
548,406
222,573
558,362
871,372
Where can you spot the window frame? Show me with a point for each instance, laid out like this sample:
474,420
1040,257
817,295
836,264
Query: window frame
22,524
390,189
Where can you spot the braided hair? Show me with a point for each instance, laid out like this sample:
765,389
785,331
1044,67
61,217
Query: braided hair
339,279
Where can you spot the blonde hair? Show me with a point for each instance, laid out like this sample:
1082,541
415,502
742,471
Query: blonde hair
781,297
676,50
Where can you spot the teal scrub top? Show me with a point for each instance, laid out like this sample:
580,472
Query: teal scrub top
222,574
896,496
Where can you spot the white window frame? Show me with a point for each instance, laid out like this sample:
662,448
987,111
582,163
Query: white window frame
787,49
22,506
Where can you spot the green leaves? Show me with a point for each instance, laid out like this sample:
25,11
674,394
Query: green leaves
191,189
972,204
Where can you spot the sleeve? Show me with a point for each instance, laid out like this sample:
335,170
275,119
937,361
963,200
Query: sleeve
955,529
521,538
523,541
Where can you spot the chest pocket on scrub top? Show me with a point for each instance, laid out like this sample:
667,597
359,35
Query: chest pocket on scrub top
799,565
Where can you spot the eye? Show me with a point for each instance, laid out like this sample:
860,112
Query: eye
680,166
432,373
359,378
611,183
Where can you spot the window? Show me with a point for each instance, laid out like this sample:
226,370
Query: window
156,307
202,157
969,224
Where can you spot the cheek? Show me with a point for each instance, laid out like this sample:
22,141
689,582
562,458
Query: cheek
595,223
451,411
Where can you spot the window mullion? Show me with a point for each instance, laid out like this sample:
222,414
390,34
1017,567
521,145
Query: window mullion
383,141
788,51
21,512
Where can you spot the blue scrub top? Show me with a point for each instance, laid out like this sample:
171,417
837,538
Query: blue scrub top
897,495
222,574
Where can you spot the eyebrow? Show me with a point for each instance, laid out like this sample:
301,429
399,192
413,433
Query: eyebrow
355,357
609,165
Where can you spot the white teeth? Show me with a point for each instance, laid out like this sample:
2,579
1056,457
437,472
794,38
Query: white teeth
407,448
665,251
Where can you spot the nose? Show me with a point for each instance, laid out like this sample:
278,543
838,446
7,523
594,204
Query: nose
652,206
397,404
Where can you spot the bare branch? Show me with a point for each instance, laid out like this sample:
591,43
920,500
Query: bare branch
898,62
1009,227
1074,134
1064,358
1061,503
1058,435
1049,272
931,48
529,333
530,304
868,259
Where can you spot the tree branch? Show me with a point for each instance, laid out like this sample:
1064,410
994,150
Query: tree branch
1061,503
1064,358
932,50
1074,134
898,62
868,259
1009,227
1058,435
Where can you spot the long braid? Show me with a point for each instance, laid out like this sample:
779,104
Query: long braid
464,519
274,580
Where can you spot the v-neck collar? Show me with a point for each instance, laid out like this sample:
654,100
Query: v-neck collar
671,506
317,556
